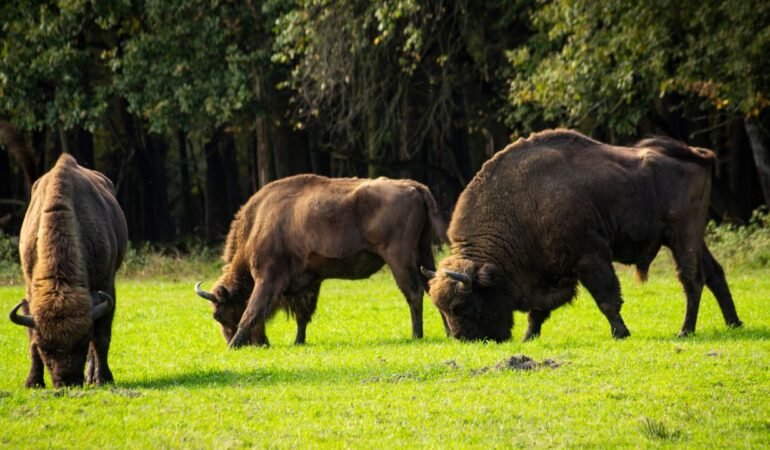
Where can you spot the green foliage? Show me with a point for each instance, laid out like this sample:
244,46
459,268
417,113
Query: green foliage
48,73
361,382
609,63
742,246
10,269
190,64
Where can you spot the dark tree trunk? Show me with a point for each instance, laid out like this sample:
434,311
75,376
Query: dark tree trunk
761,156
79,143
223,194
186,224
24,156
158,224
265,163
320,161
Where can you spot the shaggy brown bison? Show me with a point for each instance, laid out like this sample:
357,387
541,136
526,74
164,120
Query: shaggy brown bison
72,241
558,208
294,233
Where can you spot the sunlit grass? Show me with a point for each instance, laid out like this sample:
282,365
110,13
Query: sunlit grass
362,382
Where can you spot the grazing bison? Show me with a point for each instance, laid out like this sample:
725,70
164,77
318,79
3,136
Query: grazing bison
296,232
558,208
72,241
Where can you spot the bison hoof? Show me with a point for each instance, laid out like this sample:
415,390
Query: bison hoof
531,336
240,339
621,333
685,333
34,384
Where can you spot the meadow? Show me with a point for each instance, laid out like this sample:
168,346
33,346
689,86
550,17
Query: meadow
362,382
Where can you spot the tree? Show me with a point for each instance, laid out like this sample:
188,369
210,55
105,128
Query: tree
695,71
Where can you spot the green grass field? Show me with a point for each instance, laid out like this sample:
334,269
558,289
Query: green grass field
361,382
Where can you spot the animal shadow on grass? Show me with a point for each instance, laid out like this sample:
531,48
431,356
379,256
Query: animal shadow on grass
262,377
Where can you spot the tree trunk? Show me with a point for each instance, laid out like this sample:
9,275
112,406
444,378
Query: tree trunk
79,143
158,224
187,224
265,166
761,156
25,158
223,194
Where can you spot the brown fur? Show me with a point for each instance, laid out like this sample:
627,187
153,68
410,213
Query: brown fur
72,241
558,208
298,231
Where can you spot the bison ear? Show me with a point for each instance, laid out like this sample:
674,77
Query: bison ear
488,274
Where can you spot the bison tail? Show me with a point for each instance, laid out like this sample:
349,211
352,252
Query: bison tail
436,220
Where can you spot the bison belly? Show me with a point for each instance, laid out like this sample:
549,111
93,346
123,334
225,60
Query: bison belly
354,267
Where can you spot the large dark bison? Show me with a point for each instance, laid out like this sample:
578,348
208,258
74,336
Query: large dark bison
72,241
558,208
294,233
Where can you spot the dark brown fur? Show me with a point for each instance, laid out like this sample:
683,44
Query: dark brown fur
72,242
298,231
558,208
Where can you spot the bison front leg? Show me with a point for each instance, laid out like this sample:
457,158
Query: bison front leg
256,312
35,377
717,284
598,276
536,319
98,369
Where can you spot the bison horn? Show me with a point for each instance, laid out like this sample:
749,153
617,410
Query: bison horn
207,295
427,273
106,305
463,278
21,319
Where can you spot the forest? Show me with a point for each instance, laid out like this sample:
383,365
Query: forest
190,106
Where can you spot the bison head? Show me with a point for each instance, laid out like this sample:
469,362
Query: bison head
469,296
62,341
228,303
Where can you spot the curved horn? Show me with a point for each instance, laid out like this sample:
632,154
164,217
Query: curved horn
427,273
461,277
21,319
107,304
203,294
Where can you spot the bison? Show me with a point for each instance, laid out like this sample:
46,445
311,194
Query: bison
558,208
296,232
72,242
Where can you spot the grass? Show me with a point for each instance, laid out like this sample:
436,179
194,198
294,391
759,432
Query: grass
361,382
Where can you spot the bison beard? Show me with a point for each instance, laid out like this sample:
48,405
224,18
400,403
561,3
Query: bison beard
296,232
558,208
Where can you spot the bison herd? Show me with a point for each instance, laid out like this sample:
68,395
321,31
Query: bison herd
543,214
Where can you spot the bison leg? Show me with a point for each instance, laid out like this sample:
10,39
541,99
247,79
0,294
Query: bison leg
304,305
536,319
98,371
717,284
256,311
410,282
35,377
598,276
689,267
